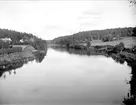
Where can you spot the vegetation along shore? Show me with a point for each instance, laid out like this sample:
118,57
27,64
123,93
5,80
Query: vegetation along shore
16,47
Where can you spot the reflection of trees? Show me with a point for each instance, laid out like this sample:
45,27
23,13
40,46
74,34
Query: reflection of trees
77,51
13,65
1,73
10,66
120,57
131,97
39,56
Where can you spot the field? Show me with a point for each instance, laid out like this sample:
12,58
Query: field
129,42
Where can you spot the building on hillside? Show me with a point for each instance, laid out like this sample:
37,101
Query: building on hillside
26,39
6,39
21,41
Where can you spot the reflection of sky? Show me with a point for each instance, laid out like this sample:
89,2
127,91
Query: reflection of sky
68,80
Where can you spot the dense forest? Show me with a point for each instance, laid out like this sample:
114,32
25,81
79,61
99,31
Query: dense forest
11,37
103,35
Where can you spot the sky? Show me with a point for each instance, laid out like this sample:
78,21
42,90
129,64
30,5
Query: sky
51,19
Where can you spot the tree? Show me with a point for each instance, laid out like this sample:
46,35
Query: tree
120,47
133,2
4,44
134,32
88,44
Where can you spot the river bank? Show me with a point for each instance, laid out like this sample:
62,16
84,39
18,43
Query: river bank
27,54
118,52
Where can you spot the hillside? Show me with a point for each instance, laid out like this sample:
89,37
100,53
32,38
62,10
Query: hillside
11,37
102,35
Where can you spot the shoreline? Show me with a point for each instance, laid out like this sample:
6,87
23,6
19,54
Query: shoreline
117,52
27,54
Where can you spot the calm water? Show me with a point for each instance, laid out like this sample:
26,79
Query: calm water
66,79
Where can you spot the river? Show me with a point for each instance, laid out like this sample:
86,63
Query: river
66,79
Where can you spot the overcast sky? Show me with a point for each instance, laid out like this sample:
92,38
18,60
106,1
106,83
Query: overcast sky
50,19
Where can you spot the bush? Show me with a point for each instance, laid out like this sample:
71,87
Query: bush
4,44
106,38
134,31
39,56
39,44
119,47
134,49
10,50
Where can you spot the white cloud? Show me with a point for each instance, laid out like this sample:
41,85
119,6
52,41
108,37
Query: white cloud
50,19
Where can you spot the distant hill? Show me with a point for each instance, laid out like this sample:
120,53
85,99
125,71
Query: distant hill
104,35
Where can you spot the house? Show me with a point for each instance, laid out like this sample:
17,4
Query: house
6,39
26,39
21,41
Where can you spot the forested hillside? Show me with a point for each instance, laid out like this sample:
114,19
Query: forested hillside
11,37
104,35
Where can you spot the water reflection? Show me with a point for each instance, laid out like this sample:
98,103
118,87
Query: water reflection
72,50
12,66
130,99
68,79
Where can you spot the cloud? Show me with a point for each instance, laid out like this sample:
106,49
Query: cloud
51,27
88,17
91,15
88,24
92,12
96,17
83,17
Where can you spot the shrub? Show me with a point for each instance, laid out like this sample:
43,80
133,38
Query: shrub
4,44
119,47
134,49
10,50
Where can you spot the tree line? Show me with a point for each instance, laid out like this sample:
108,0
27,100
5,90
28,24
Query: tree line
103,35
20,38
